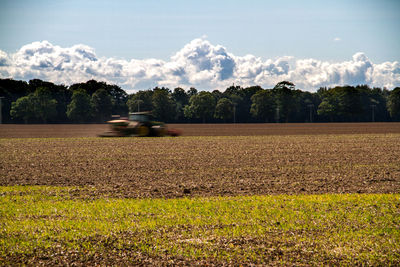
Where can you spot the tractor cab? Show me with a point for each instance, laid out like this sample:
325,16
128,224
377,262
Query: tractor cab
140,116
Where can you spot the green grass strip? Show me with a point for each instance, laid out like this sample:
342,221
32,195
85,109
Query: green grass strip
45,224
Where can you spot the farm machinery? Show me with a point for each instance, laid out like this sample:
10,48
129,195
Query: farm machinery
138,124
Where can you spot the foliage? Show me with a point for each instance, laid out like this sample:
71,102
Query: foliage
393,103
181,99
339,104
101,104
37,105
285,100
200,106
79,110
224,109
163,105
45,107
192,91
58,92
22,108
263,106
141,101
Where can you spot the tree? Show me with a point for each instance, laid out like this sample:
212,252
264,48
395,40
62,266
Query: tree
244,108
181,99
350,105
263,105
393,104
22,108
217,95
378,104
224,109
90,86
11,90
37,105
118,98
329,105
327,108
285,101
192,91
200,106
179,95
163,105
79,110
58,92
101,105
235,94
141,101
45,107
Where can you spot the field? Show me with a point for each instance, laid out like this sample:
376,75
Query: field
91,130
314,194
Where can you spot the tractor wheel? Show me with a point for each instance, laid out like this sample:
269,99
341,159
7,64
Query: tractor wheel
158,130
143,131
162,132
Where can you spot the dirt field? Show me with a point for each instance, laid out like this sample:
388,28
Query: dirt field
91,130
206,166
104,203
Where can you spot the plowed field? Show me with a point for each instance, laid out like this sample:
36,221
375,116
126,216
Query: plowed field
267,194
92,130
207,166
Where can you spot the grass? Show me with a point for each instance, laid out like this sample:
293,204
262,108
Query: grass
41,224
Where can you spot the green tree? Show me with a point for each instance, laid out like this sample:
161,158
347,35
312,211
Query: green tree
327,108
192,91
243,111
163,105
263,105
217,95
23,108
200,106
285,100
141,101
79,110
118,96
181,99
235,94
58,92
38,105
350,104
224,109
393,104
101,105
45,107
11,90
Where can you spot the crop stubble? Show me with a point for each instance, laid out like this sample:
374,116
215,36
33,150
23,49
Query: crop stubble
206,166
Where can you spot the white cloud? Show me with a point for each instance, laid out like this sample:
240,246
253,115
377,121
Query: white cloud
199,64
337,39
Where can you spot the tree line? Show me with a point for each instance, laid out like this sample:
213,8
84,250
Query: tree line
39,101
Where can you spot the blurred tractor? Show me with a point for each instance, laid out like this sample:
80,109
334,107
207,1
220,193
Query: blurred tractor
138,124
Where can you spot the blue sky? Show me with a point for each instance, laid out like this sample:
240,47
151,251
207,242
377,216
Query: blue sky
327,31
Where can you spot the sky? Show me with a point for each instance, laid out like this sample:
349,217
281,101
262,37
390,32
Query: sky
205,44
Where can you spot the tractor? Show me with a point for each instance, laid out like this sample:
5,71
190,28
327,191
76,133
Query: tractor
138,124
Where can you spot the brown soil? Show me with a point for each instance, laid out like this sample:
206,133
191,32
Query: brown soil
206,166
92,130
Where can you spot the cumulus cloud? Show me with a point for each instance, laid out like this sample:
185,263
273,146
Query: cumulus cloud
199,64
